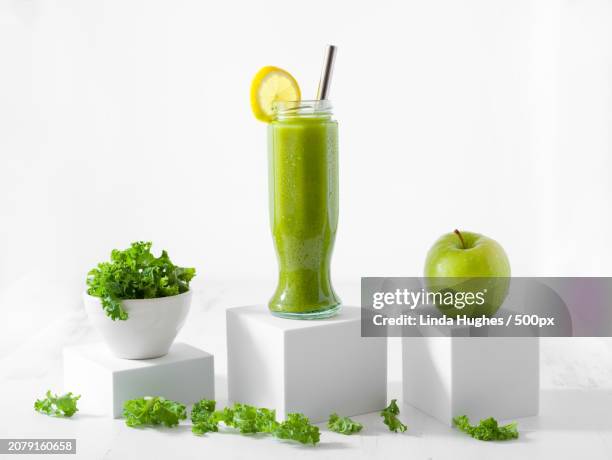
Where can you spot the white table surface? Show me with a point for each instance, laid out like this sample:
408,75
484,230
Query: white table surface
574,419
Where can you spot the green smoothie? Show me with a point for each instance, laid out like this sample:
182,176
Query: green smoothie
303,174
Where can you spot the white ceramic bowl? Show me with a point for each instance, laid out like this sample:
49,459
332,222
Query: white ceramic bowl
150,329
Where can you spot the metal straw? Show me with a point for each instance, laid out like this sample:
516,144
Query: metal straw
326,73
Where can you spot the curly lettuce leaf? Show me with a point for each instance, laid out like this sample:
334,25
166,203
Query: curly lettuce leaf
389,415
343,425
57,406
248,419
153,411
203,417
487,430
297,427
135,273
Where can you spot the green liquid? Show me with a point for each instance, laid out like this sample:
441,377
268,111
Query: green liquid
303,161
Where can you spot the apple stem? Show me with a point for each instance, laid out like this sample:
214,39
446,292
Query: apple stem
458,233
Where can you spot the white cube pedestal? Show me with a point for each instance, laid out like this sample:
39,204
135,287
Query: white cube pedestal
186,374
475,376
315,367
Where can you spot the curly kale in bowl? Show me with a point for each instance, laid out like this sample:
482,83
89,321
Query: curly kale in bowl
135,273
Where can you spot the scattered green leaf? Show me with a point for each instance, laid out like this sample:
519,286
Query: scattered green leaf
248,419
266,420
135,273
202,417
57,406
152,411
390,419
343,425
487,430
298,428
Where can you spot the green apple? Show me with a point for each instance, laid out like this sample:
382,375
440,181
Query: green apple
470,263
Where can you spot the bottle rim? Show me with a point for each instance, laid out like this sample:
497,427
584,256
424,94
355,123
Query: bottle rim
303,108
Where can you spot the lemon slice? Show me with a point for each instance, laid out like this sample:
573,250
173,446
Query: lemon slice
269,85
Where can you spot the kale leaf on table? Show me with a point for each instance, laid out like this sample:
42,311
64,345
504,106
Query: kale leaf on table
487,430
297,427
153,411
250,419
203,417
390,419
343,425
57,406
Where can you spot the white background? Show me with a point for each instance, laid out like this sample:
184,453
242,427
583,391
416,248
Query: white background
127,120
